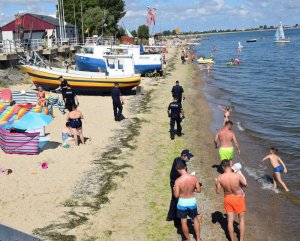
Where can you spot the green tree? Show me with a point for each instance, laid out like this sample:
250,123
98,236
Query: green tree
143,32
95,14
134,33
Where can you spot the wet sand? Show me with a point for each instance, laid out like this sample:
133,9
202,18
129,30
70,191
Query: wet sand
117,187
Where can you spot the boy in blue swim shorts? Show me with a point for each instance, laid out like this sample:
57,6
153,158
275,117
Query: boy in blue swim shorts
278,166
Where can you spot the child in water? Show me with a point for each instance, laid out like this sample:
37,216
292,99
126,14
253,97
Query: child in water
227,112
278,166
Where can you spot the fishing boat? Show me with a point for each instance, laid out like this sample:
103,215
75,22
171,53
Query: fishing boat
251,40
279,35
147,59
203,60
119,69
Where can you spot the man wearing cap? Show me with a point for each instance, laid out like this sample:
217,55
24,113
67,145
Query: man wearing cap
177,91
184,158
174,111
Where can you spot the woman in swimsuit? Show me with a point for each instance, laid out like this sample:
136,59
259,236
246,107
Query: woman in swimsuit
41,95
278,166
75,117
67,137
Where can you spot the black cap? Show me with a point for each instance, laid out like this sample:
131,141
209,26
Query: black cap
187,153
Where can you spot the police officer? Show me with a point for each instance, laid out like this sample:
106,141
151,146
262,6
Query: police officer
174,111
172,214
69,98
177,91
117,102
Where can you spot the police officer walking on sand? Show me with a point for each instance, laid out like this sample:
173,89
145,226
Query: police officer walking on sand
117,102
174,111
174,175
177,91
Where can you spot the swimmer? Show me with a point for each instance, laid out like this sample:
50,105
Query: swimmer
278,166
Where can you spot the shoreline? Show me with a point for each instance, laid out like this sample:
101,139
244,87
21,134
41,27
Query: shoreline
117,188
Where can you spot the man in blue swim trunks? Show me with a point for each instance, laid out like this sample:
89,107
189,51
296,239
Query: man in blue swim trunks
184,189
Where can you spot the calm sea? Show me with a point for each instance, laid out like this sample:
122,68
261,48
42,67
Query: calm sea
265,91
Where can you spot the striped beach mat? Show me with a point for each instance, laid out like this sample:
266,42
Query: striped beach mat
10,234
23,98
19,143
57,103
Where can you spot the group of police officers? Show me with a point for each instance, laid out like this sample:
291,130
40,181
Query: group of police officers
175,110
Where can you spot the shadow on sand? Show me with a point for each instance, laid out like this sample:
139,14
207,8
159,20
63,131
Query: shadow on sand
218,217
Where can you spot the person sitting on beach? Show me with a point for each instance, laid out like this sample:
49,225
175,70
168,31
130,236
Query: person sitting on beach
75,117
41,95
234,197
67,136
226,138
184,189
278,166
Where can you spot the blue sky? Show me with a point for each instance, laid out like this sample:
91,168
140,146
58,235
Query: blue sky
187,15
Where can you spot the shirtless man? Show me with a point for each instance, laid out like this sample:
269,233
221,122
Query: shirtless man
234,197
184,189
226,138
275,162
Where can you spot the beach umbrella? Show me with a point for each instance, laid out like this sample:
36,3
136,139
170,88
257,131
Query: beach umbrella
31,120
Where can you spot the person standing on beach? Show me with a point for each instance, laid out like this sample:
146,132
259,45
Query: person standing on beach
174,175
118,102
174,111
177,91
234,197
275,162
184,189
69,98
227,139
63,86
74,117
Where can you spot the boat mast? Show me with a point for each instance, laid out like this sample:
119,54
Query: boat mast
59,20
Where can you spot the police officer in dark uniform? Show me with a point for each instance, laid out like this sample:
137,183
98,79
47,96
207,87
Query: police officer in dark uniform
62,87
172,214
117,102
174,111
177,91
69,98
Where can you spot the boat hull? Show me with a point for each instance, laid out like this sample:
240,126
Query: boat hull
282,41
84,63
49,80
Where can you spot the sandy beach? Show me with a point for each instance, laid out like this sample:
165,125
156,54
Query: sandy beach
117,186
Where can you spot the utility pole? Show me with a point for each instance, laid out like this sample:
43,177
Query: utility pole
82,23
